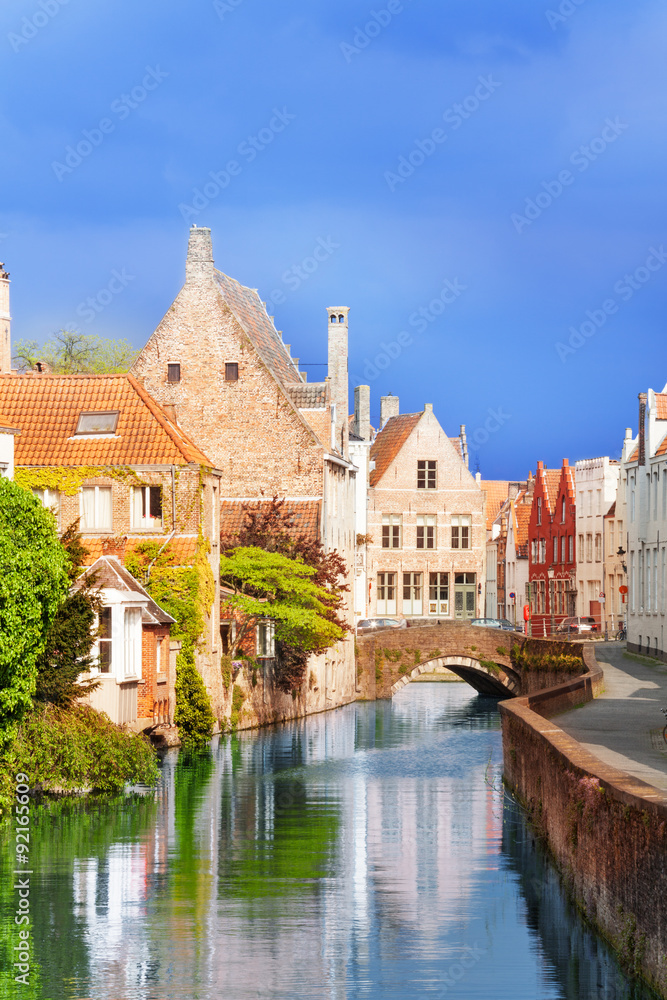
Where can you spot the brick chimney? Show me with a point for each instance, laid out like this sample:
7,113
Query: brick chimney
338,377
199,262
362,412
388,408
5,323
642,428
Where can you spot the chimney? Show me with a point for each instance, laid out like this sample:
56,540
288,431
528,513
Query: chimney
338,377
199,262
362,412
464,444
642,428
388,408
5,323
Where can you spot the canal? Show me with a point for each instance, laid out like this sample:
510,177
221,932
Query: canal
369,852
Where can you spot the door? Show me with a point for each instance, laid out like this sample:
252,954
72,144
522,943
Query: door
465,595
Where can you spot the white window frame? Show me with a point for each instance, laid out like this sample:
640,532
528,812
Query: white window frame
50,499
86,528
427,524
461,529
394,534
413,584
385,585
438,582
266,639
140,500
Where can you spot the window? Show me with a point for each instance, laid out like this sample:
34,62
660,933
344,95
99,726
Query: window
570,548
412,593
581,548
461,524
426,475
589,547
426,531
562,548
146,508
392,531
539,510
103,422
465,595
104,640
438,594
50,499
598,546
96,509
611,538
555,559
542,598
132,636
386,594
173,373
159,653
543,550
266,643
231,372
562,511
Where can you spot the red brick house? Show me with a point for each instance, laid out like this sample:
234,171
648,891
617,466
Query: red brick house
551,550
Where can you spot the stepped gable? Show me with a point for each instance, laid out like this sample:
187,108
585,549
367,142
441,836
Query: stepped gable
389,442
251,314
47,408
551,484
305,516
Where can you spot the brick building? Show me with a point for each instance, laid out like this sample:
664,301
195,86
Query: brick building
220,368
596,482
552,555
426,519
517,574
98,449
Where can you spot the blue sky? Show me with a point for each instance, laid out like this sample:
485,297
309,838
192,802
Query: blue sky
531,144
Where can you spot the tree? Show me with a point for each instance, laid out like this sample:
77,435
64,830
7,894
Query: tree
67,653
33,584
270,526
271,585
71,352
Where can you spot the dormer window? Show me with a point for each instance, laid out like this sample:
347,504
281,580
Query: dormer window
231,372
173,373
103,422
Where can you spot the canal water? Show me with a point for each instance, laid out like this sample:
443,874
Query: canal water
369,852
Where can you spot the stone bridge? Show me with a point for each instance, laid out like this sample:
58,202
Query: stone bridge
389,658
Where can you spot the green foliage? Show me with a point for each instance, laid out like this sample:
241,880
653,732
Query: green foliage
490,666
193,716
33,583
418,657
237,704
71,636
69,352
226,670
271,585
501,651
556,662
68,750
186,593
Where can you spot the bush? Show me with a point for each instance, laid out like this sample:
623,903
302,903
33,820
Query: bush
193,716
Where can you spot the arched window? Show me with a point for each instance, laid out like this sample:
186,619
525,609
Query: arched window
341,319
333,318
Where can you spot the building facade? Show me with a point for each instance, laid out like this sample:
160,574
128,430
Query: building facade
426,519
552,553
596,484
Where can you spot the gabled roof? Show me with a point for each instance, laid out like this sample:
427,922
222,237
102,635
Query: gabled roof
109,572
496,491
251,313
612,510
389,442
305,517
308,395
661,406
521,524
46,408
551,479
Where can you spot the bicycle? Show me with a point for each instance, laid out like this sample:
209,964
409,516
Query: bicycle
664,732
621,634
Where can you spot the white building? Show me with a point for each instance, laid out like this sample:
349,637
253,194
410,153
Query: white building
596,484
516,554
361,435
645,479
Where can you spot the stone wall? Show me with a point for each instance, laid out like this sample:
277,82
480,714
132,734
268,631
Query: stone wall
606,830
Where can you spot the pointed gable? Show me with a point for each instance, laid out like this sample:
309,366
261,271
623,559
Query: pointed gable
389,442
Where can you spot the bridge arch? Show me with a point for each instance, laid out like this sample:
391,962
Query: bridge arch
495,680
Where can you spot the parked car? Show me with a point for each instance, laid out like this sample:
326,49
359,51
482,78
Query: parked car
367,624
578,625
503,623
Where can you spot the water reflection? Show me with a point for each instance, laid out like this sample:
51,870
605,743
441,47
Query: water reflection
366,853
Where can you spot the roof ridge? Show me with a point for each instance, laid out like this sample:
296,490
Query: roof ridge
179,437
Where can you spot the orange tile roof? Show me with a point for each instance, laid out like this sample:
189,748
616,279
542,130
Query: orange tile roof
389,442
6,424
496,494
305,516
46,408
179,552
551,483
662,449
661,406
251,313
522,522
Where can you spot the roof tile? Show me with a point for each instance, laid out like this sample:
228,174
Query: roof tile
389,442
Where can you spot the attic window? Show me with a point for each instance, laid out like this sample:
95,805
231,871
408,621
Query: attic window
231,372
97,423
173,373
